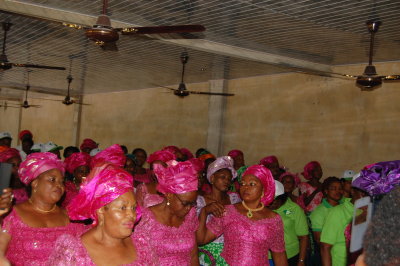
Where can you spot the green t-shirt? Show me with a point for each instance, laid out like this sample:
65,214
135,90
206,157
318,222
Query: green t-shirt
294,225
319,214
333,231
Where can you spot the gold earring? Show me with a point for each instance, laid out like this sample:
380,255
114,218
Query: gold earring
168,203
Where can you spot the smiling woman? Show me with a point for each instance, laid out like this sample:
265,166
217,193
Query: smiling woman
32,227
107,198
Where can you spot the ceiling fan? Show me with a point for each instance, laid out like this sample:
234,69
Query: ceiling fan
182,91
370,80
5,64
25,104
104,35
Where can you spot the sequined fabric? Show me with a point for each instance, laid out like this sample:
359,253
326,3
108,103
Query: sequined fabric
70,192
69,250
246,242
172,245
143,178
32,246
146,199
20,195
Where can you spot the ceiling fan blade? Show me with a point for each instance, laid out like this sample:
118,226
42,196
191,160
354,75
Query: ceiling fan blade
9,106
109,46
38,66
75,26
169,88
391,78
211,93
161,29
46,99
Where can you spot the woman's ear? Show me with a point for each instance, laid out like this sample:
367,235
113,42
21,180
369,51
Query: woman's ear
212,177
34,183
168,196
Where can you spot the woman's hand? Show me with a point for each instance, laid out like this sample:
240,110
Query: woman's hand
6,201
215,208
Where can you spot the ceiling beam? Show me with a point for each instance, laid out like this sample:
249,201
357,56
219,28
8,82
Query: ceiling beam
59,15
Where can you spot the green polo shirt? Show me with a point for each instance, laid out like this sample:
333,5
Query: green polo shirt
333,231
294,225
319,214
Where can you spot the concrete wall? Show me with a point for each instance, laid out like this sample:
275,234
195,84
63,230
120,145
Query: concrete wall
300,118
296,117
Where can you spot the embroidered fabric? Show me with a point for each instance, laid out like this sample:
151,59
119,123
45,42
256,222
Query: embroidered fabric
70,192
30,245
307,189
172,245
143,178
69,250
201,202
146,199
246,242
20,195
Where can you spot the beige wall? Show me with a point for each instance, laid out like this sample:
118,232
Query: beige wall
300,118
297,117
149,118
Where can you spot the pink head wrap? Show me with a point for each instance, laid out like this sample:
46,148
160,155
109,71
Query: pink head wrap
177,178
187,153
172,149
8,154
294,176
75,160
88,143
113,154
104,184
267,180
308,168
163,155
24,133
197,164
38,163
234,153
268,160
221,163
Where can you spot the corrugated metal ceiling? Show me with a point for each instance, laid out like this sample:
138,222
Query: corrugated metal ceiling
324,32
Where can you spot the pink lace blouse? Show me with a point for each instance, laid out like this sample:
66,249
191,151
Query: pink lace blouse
307,190
69,250
172,245
246,242
145,199
70,192
31,245
20,195
143,178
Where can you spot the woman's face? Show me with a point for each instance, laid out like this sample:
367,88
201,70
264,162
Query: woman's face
129,165
238,161
334,191
119,216
181,204
251,188
274,168
80,172
288,184
140,158
49,185
317,172
221,180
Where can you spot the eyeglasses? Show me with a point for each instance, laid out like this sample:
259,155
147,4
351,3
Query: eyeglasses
187,203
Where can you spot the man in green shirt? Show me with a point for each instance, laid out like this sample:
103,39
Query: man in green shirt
333,242
295,228
333,192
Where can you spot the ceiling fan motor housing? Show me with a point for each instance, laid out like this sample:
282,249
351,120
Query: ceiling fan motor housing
102,31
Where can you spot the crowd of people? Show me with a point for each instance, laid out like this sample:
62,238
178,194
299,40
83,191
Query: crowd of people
103,207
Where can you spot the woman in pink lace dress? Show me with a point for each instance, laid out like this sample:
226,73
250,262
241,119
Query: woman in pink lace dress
146,193
32,227
311,191
12,156
169,228
250,229
78,165
107,198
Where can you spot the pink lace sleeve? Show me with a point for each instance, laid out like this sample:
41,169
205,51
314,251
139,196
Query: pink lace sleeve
141,191
8,222
278,242
64,253
216,226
